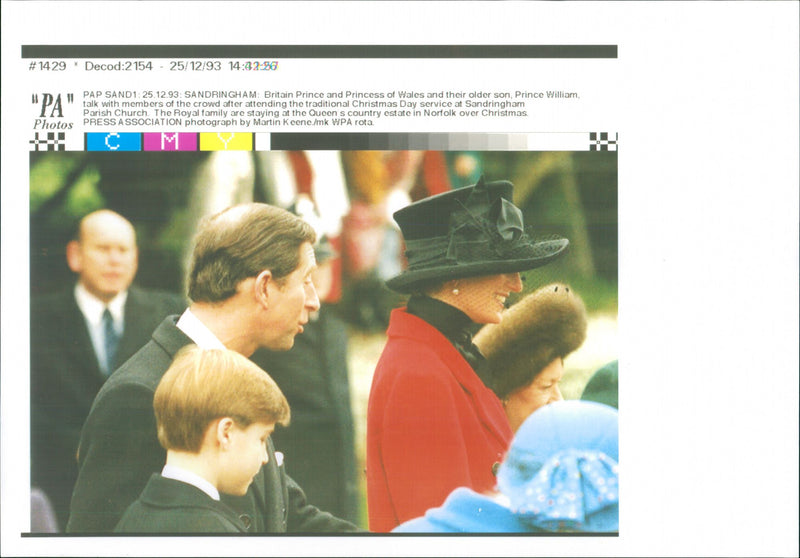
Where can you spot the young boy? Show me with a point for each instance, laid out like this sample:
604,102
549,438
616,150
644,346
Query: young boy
214,410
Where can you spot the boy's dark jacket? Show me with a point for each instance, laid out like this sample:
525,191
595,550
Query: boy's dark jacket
119,450
172,506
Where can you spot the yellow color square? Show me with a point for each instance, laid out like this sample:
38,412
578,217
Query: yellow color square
226,141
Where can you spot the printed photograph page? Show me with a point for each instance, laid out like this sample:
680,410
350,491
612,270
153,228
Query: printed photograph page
548,304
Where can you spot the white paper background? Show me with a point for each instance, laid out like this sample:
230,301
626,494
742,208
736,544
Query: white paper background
705,99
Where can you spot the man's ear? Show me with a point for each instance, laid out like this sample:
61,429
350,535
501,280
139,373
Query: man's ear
74,259
261,287
223,429
135,259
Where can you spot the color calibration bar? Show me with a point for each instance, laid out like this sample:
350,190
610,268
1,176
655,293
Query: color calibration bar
249,141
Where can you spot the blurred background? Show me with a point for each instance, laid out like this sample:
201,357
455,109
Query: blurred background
349,197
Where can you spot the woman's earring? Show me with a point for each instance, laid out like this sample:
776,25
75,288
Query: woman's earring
455,291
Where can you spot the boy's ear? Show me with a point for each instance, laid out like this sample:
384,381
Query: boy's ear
223,430
261,287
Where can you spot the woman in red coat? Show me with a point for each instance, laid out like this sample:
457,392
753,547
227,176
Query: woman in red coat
432,422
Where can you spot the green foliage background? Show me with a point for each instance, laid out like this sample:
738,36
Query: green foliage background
572,194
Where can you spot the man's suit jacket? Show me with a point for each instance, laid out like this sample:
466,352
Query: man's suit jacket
119,450
65,379
171,506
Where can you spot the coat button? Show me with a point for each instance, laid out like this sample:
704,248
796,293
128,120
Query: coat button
495,468
246,520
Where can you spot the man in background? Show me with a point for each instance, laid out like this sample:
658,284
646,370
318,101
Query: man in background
78,337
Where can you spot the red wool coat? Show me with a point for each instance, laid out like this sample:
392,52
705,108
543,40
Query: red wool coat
432,425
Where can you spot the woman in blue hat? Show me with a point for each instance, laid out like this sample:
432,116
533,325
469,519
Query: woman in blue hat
560,475
432,422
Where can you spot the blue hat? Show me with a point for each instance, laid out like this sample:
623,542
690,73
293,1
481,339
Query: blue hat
560,473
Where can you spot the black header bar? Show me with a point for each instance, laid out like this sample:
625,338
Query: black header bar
319,51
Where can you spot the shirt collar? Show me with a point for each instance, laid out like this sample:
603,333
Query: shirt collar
198,332
93,308
178,474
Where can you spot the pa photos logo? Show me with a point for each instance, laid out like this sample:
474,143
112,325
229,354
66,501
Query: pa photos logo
49,123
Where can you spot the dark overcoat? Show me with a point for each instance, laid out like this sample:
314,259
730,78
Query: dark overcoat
65,378
119,450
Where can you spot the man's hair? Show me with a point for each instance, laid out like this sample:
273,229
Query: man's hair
202,385
241,242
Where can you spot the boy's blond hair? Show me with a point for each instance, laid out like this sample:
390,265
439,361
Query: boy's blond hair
202,385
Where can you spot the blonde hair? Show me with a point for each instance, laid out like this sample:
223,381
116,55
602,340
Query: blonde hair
202,385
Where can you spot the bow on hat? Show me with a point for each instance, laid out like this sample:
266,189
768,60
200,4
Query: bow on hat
497,224
573,490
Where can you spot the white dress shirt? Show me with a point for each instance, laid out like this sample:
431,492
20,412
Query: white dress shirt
92,309
197,331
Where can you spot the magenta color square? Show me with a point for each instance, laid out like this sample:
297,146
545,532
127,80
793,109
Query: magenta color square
170,141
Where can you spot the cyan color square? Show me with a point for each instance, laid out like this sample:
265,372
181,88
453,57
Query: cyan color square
113,141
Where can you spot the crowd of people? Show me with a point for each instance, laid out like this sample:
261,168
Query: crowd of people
229,412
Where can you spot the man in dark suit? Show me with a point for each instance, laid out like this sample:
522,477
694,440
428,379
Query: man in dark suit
250,286
71,355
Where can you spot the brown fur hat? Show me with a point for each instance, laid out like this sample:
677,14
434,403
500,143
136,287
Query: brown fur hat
546,324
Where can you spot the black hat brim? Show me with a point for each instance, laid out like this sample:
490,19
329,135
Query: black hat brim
547,251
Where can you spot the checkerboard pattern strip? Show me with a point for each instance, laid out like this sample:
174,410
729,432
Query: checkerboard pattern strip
51,141
602,141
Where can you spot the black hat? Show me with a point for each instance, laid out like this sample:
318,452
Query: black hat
468,232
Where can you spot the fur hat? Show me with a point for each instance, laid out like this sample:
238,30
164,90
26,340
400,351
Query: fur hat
467,232
546,324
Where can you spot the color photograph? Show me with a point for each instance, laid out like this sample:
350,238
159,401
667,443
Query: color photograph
402,239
